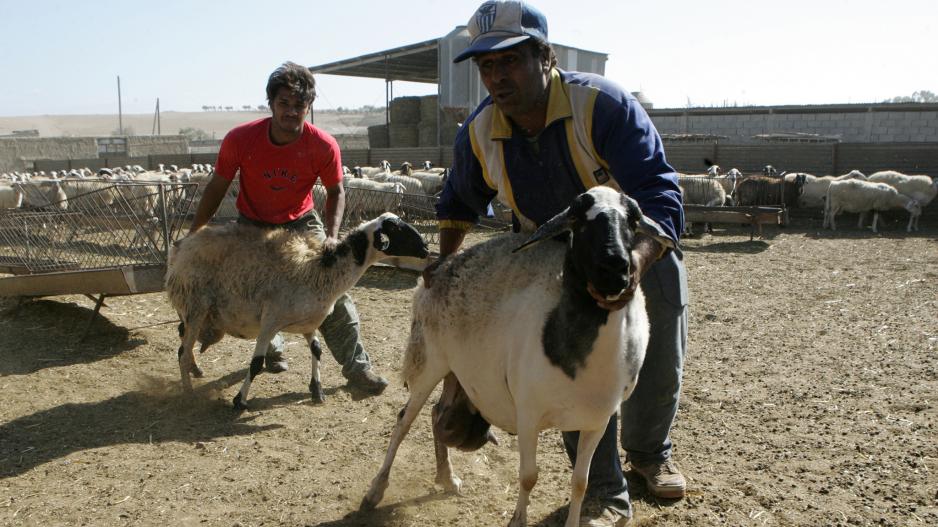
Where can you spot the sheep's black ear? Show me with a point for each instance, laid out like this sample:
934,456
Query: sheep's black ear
633,210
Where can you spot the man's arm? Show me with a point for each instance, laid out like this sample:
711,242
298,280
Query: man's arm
334,209
212,197
450,241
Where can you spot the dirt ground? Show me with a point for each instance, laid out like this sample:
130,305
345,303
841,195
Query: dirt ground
809,399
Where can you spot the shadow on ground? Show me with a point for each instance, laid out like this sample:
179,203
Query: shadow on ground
172,416
40,334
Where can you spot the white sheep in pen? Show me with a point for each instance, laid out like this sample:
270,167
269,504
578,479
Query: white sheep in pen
371,197
411,185
432,181
857,196
922,189
251,282
814,191
43,193
702,190
371,171
11,197
526,340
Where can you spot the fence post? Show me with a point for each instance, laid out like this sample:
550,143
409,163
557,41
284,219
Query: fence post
165,222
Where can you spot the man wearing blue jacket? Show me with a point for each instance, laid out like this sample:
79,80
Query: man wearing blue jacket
542,137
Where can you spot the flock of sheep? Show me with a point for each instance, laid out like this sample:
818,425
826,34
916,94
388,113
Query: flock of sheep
86,190
853,192
388,190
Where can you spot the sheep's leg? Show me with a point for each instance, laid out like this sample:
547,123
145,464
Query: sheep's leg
315,384
863,217
420,390
444,469
195,369
187,365
257,366
912,222
527,450
586,446
875,220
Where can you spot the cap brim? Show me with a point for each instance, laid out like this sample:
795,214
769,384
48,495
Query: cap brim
486,44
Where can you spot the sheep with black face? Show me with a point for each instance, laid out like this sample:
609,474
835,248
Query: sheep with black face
527,341
253,283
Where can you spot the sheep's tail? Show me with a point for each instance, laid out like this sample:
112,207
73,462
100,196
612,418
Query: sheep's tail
415,357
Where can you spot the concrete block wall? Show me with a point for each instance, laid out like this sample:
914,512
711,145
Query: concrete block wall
879,123
22,153
19,153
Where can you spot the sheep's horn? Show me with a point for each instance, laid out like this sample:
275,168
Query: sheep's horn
554,226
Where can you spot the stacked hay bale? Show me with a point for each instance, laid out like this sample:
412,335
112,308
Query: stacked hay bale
378,136
405,116
426,130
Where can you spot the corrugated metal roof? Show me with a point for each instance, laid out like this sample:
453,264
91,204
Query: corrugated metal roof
413,63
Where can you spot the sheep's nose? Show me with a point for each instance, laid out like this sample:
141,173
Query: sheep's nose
614,263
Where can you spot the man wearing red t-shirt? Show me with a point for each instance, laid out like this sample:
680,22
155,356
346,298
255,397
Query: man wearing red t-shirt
279,158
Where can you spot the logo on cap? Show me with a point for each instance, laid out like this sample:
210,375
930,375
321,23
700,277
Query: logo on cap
485,17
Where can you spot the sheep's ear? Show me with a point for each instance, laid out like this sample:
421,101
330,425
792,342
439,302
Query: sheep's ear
382,242
650,227
633,211
638,222
557,225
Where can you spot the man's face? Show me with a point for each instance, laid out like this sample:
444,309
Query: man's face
516,78
289,111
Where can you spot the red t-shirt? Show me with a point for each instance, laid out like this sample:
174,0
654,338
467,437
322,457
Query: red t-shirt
277,181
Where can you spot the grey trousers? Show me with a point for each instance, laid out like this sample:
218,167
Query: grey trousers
341,329
648,413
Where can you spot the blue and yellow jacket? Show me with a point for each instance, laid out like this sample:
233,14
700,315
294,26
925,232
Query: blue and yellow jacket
596,134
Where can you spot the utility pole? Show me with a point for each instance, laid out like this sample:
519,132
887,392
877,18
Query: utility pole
156,119
120,115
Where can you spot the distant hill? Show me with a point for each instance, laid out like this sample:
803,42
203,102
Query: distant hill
215,124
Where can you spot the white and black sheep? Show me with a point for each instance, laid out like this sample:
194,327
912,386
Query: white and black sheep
552,357
253,283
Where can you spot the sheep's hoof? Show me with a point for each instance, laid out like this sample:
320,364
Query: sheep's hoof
197,371
367,505
375,493
239,405
315,393
451,484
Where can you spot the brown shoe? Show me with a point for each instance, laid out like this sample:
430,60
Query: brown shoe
662,478
367,381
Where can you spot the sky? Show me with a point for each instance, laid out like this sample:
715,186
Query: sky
64,56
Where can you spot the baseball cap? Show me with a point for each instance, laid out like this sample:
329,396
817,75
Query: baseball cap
501,24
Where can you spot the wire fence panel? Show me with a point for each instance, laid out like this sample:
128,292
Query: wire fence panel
72,225
96,225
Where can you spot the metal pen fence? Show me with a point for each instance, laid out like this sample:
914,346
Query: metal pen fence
102,224
94,224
